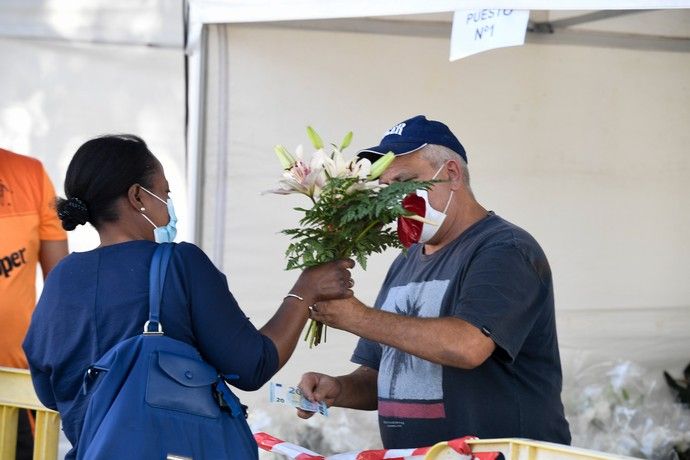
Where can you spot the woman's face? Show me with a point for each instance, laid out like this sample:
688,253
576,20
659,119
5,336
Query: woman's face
156,209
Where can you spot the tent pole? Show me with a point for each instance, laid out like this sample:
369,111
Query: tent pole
196,106
592,17
221,161
439,29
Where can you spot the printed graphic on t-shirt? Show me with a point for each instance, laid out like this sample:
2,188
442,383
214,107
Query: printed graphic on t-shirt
11,261
411,387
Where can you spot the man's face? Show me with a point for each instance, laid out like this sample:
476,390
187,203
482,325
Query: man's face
414,166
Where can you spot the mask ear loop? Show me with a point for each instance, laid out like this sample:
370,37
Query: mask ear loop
142,209
437,172
450,198
153,195
451,192
150,221
156,197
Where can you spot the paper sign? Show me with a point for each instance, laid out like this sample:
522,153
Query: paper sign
475,31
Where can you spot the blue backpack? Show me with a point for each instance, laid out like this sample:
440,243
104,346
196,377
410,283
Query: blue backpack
153,397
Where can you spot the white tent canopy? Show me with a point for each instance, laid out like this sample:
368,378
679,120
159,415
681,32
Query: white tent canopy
233,11
202,12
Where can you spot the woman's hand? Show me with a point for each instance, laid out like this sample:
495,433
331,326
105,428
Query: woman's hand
326,282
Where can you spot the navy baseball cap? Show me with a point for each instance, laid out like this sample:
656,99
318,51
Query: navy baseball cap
412,135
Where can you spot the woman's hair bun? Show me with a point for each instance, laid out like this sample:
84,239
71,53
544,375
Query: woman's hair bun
72,212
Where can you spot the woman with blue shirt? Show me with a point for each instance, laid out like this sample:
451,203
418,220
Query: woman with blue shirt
93,300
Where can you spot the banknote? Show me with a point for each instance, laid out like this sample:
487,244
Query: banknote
292,396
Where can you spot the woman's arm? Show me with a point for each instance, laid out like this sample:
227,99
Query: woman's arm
225,336
328,281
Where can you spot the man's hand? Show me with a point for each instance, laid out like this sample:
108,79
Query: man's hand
342,314
325,282
318,387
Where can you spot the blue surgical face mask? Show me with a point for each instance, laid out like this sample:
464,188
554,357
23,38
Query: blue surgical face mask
167,233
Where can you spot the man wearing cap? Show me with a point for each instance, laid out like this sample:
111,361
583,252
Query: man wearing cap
462,337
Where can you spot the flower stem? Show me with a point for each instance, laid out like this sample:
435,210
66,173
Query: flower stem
366,230
312,332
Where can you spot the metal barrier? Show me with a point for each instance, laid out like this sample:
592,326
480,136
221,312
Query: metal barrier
17,393
526,449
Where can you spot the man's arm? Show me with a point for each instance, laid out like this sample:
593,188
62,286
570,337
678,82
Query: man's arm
50,253
502,293
50,231
356,390
448,341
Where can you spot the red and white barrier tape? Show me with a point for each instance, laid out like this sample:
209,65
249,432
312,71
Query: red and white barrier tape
278,446
459,446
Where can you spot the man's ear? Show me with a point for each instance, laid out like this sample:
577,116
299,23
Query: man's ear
133,197
454,174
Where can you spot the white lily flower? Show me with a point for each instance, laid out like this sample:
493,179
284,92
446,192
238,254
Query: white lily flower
301,178
309,177
295,178
316,180
363,185
360,168
299,153
340,166
330,164
318,160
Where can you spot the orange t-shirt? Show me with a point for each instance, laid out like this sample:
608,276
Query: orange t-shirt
27,216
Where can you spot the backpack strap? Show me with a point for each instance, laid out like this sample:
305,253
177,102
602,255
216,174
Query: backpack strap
159,267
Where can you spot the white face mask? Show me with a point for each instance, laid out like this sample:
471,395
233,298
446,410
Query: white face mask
167,233
431,214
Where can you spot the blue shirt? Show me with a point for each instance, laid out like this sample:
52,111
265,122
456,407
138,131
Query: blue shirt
93,300
496,277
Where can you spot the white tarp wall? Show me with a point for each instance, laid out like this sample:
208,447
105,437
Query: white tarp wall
76,70
584,147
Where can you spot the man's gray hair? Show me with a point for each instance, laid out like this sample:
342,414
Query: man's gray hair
438,155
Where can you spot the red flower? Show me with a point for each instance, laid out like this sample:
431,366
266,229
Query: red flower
409,230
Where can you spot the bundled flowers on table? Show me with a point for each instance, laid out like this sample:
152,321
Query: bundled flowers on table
350,209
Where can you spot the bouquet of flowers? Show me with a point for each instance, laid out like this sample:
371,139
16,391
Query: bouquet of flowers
350,209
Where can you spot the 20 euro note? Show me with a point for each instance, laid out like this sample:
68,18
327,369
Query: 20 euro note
292,396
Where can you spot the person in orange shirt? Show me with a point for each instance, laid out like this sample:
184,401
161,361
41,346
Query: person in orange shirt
31,233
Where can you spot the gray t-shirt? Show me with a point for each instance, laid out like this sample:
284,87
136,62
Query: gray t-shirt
496,277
